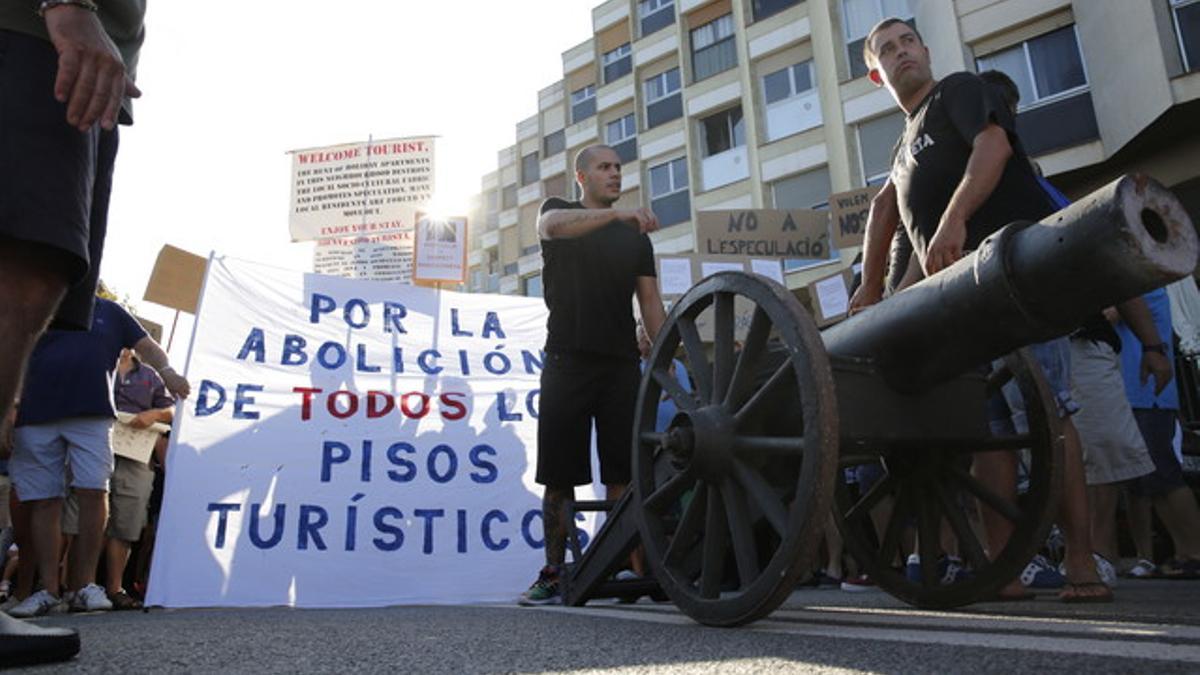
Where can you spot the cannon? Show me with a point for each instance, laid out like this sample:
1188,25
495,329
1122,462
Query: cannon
729,502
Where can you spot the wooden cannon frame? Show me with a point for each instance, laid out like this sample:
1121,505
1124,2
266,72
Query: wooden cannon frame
730,502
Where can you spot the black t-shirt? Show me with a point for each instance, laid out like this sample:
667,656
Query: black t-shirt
588,284
932,155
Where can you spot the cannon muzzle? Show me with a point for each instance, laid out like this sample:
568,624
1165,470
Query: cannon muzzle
1027,283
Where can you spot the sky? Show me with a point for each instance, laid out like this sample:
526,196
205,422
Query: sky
230,86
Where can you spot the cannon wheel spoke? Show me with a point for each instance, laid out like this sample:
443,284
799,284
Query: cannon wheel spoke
723,354
881,489
741,531
928,537
666,496
716,536
777,378
998,378
697,360
768,445
890,545
689,526
752,350
968,543
997,503
763,495
683,400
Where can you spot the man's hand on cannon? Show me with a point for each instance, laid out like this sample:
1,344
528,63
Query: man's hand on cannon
91,78
946,247
865,296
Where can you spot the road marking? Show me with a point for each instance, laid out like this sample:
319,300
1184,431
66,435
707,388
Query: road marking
1145,642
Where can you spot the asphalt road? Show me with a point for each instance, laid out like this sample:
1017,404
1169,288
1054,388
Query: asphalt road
1154,626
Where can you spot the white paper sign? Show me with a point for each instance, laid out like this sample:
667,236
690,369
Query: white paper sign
440,250
353,443
771,269
360,188
135,444
675,275
831,293
383,256
707,269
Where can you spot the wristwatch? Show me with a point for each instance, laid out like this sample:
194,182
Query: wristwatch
1161,348
45,5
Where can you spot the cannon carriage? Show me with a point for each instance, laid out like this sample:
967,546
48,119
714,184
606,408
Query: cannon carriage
730,501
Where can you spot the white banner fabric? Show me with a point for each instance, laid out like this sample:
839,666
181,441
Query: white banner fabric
360,188
352,443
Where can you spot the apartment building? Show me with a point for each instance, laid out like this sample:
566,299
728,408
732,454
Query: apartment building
726,104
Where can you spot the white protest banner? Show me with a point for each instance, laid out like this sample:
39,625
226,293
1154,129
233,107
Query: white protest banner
383,256
440,250
352,443
360,188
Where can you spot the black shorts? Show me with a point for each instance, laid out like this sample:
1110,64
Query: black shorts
577,390
54,179
1158,430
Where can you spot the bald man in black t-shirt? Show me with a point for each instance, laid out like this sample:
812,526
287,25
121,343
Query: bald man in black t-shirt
960,174
596,259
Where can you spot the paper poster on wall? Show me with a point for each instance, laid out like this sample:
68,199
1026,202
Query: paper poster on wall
674,275
440,250
830,298
382,256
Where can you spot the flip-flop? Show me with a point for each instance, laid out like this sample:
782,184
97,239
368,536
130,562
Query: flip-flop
1070,592
1019,596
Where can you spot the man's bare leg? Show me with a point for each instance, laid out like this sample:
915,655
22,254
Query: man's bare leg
45,527
30,289
1103,502
116,559
1073,516
1141,525
1179,514
554,523
85,551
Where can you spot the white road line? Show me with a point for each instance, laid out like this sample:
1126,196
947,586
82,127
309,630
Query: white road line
917,618
1111,646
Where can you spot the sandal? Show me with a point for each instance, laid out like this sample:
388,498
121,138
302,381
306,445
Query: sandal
1078,592
1181,568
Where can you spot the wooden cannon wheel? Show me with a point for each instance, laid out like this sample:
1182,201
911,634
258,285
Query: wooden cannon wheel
732,497
934,493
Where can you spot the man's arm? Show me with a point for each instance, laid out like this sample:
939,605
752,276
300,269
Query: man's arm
154,356
989,151
1136,314
651,305
91,77
147,417
882,221
574,223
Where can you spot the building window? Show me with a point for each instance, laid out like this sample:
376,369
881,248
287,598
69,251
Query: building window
621,135
533,248
723,131
876,138
713,50
808,190
791,100
618,63
1187,27
1055,109
663,100
859,17
656,15
530,172
555,186
508,197
531,287
765,8
510,269
554,143
669,198
583,103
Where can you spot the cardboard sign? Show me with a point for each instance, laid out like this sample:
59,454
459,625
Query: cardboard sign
176,279
763,233
830,297
849,211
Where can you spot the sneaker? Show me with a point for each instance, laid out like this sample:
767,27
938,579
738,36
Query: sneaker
859,584
950,569
544,591
90,598
24,644
8,604
1039,573
123,601
38,604
1144,569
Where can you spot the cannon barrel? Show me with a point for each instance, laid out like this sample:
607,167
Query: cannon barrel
1027,283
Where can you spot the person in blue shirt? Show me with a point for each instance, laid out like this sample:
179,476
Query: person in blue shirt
1155,402
666,407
